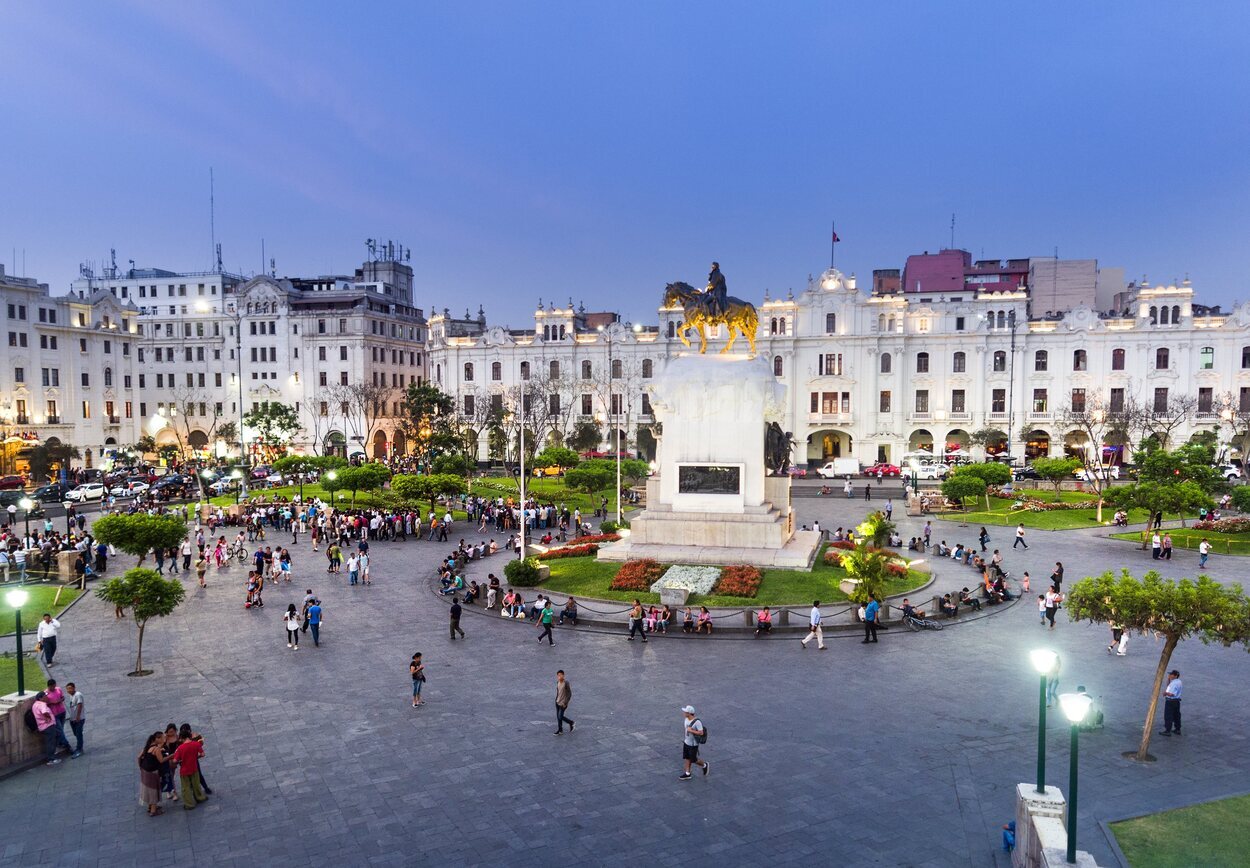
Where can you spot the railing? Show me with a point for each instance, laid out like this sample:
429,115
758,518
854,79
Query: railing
921,414
54,420
23,420
115,420
998,416
842,418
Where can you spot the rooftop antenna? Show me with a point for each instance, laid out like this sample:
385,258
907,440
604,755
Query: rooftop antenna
952,230
212,218
273,267
218,247
262,256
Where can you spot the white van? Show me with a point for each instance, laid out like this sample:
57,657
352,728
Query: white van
840,467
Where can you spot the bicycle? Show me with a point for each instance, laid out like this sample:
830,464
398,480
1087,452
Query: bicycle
914,623
238,552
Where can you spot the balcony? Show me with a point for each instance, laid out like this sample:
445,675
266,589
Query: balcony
115,420
921,415
54,420
23,419
1039,415
998,416
830,418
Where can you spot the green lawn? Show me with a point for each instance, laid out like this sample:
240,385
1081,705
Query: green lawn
39,601
1000,512
1214,833
8,674
547,490
312,489
587,577
1187,538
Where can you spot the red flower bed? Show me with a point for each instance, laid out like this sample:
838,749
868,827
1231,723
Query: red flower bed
738,581
637,575
842,544
597,538
569,552
896,569
1224,525
832,558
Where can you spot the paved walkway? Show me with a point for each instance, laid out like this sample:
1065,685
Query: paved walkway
903,754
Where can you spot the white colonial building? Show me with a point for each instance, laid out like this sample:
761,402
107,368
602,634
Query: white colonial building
874,377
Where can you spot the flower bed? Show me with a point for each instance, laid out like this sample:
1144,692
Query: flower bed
696,580
738,581
832,558
842,544
637,575
1032,504
596,538
1225,525
569,552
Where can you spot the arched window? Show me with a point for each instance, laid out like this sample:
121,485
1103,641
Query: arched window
525,370
1000,360
772,326
108,377
880,322
959,363
1176,314
1165,315
1080,361
1002,319
1245,357
831,323
1041,360
496,371
438,373
648,369
776,366
922,363
586,370
889,324
1161,359
672,329
1154,316
1117,359
887,361
989,319
554,367
468,372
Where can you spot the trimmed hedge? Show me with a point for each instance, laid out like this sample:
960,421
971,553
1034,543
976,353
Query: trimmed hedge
523,574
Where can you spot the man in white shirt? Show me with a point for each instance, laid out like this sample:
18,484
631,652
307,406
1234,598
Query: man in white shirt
815,628
45,635
1172,704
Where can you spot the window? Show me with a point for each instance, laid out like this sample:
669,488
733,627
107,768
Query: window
777,366
883,404
1117,359
672,329
959,323
958,404
1245,357
922,400
886,363
343,354
553,405
587,405
648,369
959,363
321,379
1206,358
19,375
1161,399
646,405
1000,361
342,378
1243,400
1154,316
617,369
998,401
108,379
922,363
525,370
86,409
554,369
468,372
468,405
1080,361
815,407
617,406
321,326
1039,400
1205,400
586,370
829,402
1041,360
1161,359
831,323
830,364
496,371
1078,400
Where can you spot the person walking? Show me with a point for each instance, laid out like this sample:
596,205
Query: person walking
201,567
545,617
1204,552
313,621
872,613
1166,552
1172,704
693,733
45,637
1056,577
76,714
185,550
291,622
1019,537
928,533
889,508
814,628
867,491
984,538
417,669
1156,546
847,488
1051,600
635,622
564,695
454,626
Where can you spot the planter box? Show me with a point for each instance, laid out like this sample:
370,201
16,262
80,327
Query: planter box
544,573
674,597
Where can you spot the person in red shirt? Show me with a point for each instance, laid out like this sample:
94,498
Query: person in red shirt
187,756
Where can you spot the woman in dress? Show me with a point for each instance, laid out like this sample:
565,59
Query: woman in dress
291,621
150,774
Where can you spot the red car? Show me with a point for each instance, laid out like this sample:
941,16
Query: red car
10,483
883,468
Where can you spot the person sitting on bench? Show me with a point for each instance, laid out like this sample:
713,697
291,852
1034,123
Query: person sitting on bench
949,607
763,622
967,598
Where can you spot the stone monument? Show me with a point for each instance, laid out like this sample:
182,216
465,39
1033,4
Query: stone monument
712,500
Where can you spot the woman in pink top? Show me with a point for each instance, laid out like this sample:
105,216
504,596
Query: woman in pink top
763,622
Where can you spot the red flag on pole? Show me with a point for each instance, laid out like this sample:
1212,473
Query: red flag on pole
836,239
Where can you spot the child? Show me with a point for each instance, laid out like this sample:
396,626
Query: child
1024,582
1041,607
687,624
652,617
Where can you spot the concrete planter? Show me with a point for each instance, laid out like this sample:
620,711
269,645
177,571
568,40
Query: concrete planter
848,586
674,597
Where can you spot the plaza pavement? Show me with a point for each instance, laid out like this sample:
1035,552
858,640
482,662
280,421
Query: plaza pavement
903,754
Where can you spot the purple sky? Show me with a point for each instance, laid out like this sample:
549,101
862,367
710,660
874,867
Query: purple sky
601,150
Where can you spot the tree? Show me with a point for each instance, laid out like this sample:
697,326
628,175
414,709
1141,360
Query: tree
590,478
1160,420
991,473
411,487
963,486
557,456
1236,417
148,595
429,420
320,463
45,458
454,463
145,445
870,569
364,477
1056,470
139,533
634,470
586,436
275,424
1172,610
363,406
984,437
1166,497
1098,423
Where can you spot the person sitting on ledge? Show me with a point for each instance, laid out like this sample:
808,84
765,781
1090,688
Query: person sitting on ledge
895,539
457,585
943,549
824,489
569,612
967,598
763,622
949,607
494,547
999,589
705,621
910,611
653,617
473,594
687,624
517,610
546,538
666,615
839,535
915,545
536,608
958,553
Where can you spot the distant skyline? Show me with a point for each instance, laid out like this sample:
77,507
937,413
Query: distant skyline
599,151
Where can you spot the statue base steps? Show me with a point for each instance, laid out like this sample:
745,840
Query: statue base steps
798,553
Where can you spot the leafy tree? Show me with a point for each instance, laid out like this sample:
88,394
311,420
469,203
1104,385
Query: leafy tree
986,436
1167,497
993,472
430,421
1172,610
455,463
411,487
319,463
364,477
1193,462
557,456
275,424
147,594
634,470
44,459
590,478
145,445
1056,470
139,533
228,432
1241,498
960,487
586,436
876,529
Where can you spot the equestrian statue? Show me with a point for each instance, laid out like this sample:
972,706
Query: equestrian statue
712,307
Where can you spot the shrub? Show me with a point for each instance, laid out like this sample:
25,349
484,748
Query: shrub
832,558
637,575
596,538
842,544
523,574
896,569
738,581
568,552
1224,525
612,526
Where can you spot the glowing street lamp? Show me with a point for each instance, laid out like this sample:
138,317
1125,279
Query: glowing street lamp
27,505
1075,706
16,598
1043,660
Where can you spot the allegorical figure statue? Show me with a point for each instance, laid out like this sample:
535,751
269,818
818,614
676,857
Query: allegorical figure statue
712,307
777,447
716,291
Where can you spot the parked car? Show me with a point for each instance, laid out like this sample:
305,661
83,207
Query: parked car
931,471
53,492
9,497
1025,472
132,488
9,483
796,471
884,468
1230,472
1086,474
86,491
261,472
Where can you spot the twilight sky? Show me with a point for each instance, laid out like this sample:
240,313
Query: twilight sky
600,150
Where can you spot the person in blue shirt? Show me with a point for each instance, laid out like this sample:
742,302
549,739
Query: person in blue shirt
871,613
314,621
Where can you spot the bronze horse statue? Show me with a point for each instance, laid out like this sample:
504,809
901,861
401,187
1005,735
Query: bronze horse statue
700,313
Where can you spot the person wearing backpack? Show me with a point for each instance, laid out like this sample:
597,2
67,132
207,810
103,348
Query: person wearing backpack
695,734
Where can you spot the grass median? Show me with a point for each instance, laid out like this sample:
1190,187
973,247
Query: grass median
1003,512
1188,538
1213,833
40,600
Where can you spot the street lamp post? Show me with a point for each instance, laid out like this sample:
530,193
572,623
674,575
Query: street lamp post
16,598
67,504
27,505
611,412
1043,660
236,475
301,482
13,518
1075,706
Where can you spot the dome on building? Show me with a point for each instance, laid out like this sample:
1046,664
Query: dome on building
831,279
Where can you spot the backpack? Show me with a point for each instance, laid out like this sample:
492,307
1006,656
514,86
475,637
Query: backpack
29,719
701,736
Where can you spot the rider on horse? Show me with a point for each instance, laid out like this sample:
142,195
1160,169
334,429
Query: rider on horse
716,291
